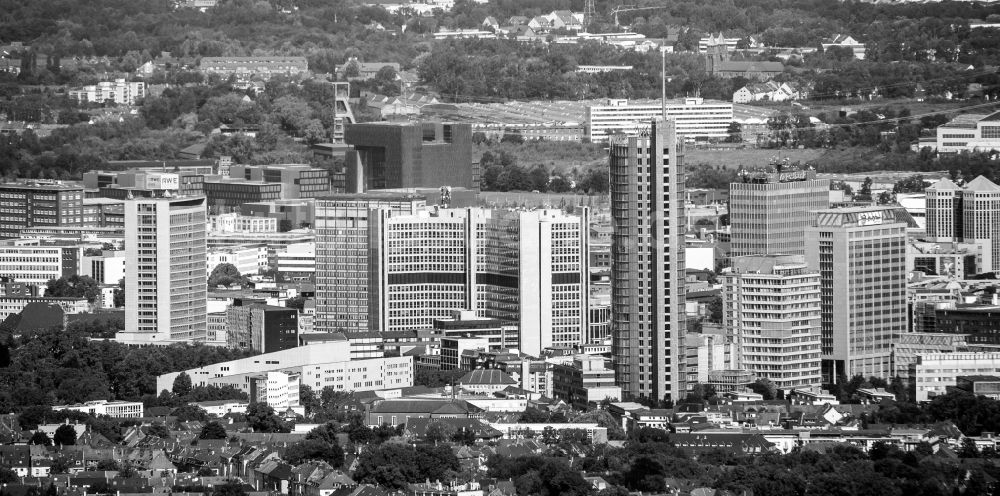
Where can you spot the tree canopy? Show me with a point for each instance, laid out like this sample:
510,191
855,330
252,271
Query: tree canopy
74,286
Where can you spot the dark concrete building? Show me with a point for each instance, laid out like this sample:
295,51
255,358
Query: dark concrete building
297,180
291,214
261,327
228,195
410,155
39,203
980,322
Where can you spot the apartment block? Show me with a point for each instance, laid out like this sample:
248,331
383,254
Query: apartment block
771,308
584,381
119,91
165,270
247,67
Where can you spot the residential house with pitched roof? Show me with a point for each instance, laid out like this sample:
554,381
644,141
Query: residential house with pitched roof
400,411
486,381
845,41
769,91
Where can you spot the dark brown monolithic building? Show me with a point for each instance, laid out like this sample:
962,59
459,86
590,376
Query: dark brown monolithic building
410,155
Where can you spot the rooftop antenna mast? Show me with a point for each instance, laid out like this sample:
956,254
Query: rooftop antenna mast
663,83
589,12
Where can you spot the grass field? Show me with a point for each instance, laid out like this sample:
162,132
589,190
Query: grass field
748,157
554,200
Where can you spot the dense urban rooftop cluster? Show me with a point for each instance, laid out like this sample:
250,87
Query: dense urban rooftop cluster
499,248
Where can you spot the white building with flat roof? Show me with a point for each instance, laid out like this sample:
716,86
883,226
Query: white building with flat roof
318,365
118,409
249,260
694,118
165,270
35,262
970,132
106,268
220,408
932,373
118,91
10,305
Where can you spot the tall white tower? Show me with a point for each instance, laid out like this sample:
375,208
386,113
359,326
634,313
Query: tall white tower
165,270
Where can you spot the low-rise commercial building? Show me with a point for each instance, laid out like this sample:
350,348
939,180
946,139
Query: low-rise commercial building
585,380
933,373
117,409
969,132
36,261
695,118
320,365
297,180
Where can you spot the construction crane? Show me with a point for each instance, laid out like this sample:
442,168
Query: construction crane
629,8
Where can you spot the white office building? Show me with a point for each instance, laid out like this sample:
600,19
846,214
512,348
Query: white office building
933,373
117,409
166,294
319,365
970,132
35,262
694,118
249,260
528,267
236,223
106,268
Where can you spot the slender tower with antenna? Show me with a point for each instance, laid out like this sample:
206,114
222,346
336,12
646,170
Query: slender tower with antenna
588,14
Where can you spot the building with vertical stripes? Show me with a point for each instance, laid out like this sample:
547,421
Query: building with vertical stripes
770,210
525,267
165,270
771,308
647,263
342,258
860,254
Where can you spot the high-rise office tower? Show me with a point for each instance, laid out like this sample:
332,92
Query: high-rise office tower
524,267
342,258
968,214
943,206
981,216
860,254
165,270
647,263
770,210
771,307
